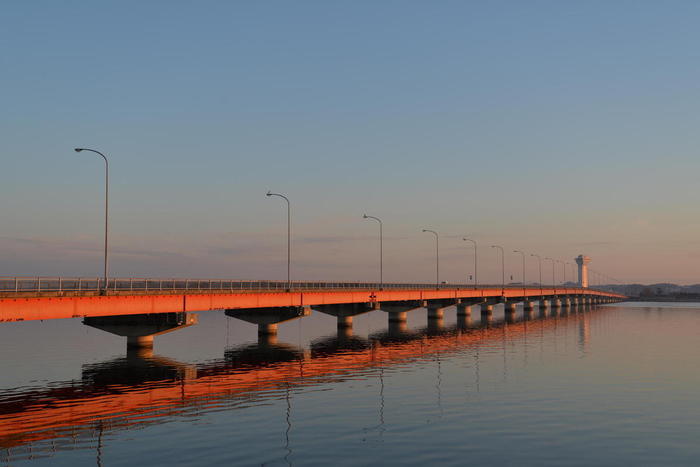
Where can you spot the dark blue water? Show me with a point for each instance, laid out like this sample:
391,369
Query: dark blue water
614,385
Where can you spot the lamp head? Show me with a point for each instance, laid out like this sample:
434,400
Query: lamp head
364,216
78,149
269,193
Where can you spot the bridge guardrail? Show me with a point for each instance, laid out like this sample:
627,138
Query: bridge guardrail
92,284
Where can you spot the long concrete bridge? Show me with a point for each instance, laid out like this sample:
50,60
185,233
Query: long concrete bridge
140,309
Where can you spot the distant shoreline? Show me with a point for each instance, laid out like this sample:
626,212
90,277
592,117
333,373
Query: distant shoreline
663,299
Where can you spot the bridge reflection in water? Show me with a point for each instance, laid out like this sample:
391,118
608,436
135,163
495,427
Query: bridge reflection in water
142,388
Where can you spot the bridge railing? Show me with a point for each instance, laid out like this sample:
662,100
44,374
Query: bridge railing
93,284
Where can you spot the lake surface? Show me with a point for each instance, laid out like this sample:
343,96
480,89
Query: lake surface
612,385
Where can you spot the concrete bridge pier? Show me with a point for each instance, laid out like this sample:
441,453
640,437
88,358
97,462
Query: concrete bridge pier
486,309
267,319
436,324
141,329
509,311
346,312
529,315
397,328
436,308
464,309
344,332
464,321
436,313
555,302
542,304
397,310
528,305
397,316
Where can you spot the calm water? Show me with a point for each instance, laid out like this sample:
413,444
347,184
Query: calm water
614,385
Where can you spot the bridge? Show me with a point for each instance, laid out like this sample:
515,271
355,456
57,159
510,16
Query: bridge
140,309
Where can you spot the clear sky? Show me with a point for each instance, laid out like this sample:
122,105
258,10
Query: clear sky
555,127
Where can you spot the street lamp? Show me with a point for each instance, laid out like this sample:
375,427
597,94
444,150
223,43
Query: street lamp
381,252
106,261
523,255
289,236
437,256
563,266
475,271
573,273
554,283
503,269
539,261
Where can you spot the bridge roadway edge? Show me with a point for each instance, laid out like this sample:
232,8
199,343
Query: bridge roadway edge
39,308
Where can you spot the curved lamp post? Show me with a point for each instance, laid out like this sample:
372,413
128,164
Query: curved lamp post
381,248
554,283
539,261
106,260
503,268
476,277
289,236
523,254
573,272
563,268
437,256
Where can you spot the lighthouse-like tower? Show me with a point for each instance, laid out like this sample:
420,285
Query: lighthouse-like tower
582,262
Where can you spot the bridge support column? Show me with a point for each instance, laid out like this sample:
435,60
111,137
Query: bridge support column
141,329
464,321
464,309
345,312
267,329
344,321
528,305
397,317
139,342
542,304
509,311
486,309
435,313
267,319
397,310
436,324
554,302
397,327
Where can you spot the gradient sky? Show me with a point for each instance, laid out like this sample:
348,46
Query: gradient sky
555,127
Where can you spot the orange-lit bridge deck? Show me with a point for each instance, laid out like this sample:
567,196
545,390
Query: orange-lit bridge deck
56,302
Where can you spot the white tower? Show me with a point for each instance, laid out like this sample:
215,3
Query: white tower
582,262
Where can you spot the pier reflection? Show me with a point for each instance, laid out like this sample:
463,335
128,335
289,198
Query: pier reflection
143,388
